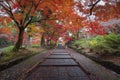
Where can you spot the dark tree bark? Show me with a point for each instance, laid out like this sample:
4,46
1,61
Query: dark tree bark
42,41
93,5
28,41
77,34
20,40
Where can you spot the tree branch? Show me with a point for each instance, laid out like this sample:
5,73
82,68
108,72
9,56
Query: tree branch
91,9
28,22
8,10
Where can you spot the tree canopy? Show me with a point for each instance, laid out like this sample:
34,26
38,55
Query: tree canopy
58,17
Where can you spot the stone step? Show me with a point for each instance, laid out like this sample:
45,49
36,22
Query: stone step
58,73
53,62
59,56
60,53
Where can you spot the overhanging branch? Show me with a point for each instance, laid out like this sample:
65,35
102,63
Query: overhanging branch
91,9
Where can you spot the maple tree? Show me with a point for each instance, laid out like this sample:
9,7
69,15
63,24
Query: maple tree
51,33
22,13
97,11
33,31
57,17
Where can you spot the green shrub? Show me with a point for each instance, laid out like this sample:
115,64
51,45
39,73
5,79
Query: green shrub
81,43
8,49
101,44
97,44
113,42
105,44
7,54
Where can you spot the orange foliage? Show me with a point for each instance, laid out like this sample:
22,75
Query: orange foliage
4,30
107,12
61,10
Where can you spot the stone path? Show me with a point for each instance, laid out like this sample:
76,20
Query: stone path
59,65
65,64
95,70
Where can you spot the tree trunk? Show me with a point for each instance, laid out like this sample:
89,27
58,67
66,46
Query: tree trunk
28,41
48,42
42,41
77,34
19,41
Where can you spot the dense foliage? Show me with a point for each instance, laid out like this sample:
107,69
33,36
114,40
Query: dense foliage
56,18
108,44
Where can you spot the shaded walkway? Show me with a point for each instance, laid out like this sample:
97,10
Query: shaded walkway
58,64
63,64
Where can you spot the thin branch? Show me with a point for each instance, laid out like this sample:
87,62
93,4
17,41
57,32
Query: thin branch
91,9
4,6
29,22
27,13
36,6
9,12
30,12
